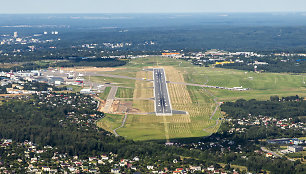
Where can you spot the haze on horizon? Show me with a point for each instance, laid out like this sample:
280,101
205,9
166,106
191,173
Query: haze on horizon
150,6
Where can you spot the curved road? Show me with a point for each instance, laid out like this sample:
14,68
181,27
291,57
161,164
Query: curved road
122,124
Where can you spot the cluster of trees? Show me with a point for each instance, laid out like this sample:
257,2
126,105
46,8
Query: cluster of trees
273,108
277,67
22,120
95,62
275,64
25,67
41,86
45,124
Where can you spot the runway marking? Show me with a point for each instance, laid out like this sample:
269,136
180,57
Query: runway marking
162,104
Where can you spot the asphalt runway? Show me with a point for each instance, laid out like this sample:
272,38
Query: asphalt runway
162,100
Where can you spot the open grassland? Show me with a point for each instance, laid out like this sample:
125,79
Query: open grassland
143,90
143,127
148,127
105,93
115,81
110,122
262,85
144,106
74,87
200,103
125,93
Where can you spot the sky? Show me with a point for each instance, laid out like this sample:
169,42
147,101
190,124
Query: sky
149,6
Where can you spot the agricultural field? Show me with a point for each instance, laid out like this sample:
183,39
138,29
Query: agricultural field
200,103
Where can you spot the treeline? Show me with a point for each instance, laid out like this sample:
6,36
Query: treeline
45,124
275,108
25,67
275,64
95,62
277,67
41,87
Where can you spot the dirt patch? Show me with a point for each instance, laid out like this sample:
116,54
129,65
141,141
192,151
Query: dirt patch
120,106
101,104
90,69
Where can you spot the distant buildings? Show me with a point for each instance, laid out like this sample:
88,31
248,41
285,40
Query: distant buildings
295,148
86,91
15,34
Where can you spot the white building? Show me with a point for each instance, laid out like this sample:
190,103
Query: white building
295,148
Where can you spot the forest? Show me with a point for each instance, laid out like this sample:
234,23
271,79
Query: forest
289,65
281,108
94,62
47,119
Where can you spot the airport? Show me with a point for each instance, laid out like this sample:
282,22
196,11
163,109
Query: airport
162,99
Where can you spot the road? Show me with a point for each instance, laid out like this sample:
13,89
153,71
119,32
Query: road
214,112
269,151
179,83
88,82
122,124
110,99
162,99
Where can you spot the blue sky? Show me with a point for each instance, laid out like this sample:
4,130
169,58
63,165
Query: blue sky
150,6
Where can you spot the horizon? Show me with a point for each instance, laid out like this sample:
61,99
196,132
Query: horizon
147,6
102,13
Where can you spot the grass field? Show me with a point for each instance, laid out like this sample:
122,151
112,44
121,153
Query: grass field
105,93
198,102
125,93
110,122
74,87
115,81
262,85
143,90
148,127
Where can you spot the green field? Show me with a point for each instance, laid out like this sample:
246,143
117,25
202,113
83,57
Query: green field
125,93
74,87
114,81
110,122
199,102
104,94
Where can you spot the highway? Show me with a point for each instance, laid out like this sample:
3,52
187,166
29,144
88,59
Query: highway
162,100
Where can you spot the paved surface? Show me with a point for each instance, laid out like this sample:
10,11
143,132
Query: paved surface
88,82
110,99
179,83
269,151
115,76
162,100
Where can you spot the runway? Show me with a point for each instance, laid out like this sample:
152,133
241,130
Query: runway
162,100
